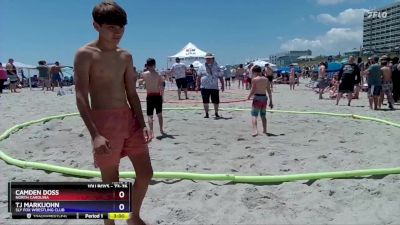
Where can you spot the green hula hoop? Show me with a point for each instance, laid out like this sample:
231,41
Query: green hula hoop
201,176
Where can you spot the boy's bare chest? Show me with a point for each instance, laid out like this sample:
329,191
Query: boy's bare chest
108,67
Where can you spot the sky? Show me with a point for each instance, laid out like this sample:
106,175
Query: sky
234,30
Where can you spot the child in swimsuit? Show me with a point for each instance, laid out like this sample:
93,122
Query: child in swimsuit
113,115
155,90
259,89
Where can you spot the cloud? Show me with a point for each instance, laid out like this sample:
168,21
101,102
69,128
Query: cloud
347,17
335,2
333,41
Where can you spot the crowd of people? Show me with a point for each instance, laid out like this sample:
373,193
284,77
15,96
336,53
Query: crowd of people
379,77
48,77
113,114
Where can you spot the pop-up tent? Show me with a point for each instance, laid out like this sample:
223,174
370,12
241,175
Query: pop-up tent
27,71
334,67
188,55
286,69
23,70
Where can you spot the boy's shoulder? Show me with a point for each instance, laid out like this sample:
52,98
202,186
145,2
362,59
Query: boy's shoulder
124,52
91,48
86,51
146,73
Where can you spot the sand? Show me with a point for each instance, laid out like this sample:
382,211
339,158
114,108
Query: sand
299,144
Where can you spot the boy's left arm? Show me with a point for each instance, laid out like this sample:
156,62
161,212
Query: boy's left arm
133,97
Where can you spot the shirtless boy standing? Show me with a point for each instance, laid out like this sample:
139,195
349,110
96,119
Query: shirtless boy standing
269,73
259,88
155,91
240,75
113,115
56,76
387,84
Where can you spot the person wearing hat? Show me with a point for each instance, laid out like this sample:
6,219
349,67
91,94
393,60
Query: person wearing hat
207,81
374,74
178,70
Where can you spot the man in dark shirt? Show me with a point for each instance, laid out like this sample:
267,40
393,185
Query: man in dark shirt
349,75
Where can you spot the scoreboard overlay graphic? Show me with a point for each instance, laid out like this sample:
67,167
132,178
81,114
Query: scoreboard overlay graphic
69,200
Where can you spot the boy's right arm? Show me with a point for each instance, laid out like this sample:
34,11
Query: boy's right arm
252,91
81,67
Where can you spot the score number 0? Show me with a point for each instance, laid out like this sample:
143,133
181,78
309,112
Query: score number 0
121,206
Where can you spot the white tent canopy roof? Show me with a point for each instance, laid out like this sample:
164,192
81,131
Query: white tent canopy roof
19,65
190,51
261,63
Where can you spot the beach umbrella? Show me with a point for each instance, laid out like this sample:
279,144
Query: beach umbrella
196,64
286,69
261,63
334,67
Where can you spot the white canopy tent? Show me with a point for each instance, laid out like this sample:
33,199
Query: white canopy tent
28,71
188,55
23,70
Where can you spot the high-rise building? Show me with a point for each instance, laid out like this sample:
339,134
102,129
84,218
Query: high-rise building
381,31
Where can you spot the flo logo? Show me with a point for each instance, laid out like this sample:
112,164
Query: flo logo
376,14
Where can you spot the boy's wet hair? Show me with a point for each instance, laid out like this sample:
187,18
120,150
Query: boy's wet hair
256,69
109,12
150,62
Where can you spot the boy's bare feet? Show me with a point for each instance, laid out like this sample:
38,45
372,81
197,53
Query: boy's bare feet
151,135
135,220
255,133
